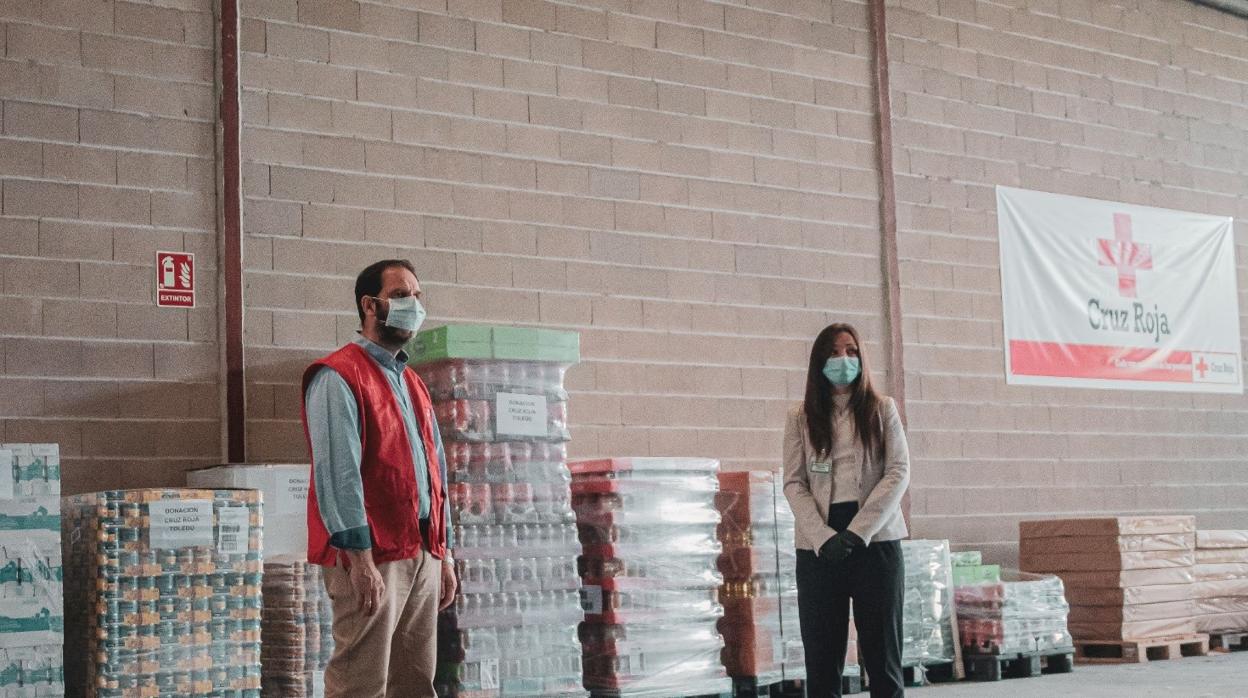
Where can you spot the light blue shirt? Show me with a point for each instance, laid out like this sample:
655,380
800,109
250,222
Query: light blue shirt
334,431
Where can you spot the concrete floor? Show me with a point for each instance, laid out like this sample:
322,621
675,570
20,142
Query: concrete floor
1218,675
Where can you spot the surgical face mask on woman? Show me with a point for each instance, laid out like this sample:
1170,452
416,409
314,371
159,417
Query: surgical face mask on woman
841,370
404,313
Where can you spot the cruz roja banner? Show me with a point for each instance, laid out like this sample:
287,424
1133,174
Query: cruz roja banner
1098,294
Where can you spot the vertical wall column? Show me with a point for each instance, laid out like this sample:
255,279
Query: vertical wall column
229,163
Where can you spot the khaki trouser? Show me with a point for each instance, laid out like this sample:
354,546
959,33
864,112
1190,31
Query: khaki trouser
392,653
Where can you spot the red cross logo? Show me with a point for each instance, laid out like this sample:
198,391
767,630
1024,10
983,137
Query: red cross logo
1126,255
1202,367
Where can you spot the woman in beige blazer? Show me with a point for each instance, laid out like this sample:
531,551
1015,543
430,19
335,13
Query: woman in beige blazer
846,467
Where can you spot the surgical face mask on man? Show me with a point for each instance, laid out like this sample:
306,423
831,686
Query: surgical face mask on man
841,370
404,313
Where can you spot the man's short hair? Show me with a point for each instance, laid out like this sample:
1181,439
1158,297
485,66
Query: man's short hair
368,283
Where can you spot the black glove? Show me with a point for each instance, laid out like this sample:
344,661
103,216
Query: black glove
838,547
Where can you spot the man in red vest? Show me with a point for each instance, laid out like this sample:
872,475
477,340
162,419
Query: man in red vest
378,514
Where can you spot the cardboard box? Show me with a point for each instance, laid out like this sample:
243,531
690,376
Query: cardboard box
1107,526
36,470
285,489
976,574
503,343
969,558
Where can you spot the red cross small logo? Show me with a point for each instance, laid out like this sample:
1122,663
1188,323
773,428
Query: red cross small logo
1202,367
1126,255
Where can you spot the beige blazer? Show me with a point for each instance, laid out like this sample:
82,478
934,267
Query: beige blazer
882,484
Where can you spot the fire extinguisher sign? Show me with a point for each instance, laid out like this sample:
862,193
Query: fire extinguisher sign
175,279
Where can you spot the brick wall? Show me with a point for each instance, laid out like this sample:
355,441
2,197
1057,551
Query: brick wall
1144,101
106,155
691,185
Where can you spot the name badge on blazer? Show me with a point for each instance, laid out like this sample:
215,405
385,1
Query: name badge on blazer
820,467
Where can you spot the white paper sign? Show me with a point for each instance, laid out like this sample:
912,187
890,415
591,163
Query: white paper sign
520,415
489,674
233,530
7,461
591,599
1098,294
794,652
180,523
292,493
632,651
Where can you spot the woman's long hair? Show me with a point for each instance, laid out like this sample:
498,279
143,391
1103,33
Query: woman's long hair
864,402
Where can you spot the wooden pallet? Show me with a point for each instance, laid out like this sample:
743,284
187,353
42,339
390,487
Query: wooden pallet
1140,651
994,667
1229,642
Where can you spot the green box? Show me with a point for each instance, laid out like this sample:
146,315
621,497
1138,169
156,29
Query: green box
976,574
485,342
968,558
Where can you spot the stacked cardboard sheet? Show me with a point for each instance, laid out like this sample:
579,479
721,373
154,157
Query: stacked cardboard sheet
1221,588
1126,577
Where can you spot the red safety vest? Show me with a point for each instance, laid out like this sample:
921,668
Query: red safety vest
391,502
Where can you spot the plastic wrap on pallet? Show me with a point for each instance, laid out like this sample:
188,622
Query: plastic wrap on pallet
165,591
1020,613
501,407
754,645
927,613
32,609
652,590
292,660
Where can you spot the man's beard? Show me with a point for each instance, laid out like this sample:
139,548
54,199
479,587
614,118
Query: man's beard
394,335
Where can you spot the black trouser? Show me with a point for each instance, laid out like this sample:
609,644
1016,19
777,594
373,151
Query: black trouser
874,577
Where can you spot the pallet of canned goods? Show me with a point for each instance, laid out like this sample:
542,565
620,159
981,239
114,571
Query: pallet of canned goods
165,591
501,409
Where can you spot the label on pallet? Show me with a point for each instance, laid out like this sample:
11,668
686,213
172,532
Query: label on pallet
794,652
180,523
631,651
489,674
591,599
520,415
233,530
